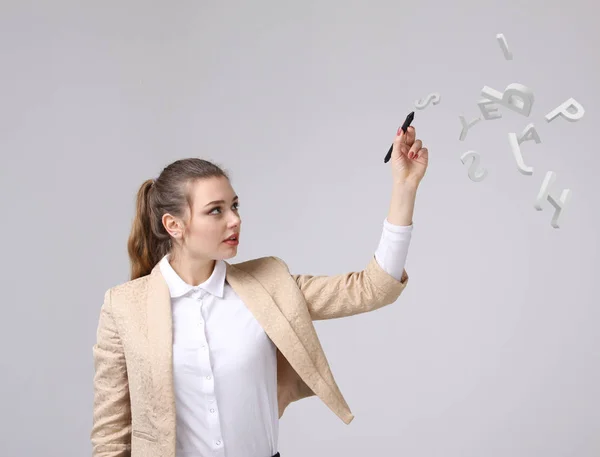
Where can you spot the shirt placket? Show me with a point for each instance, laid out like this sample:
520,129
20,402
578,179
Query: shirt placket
207,384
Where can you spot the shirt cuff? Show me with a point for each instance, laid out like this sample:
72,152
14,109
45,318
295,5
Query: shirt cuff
397,228
392,250
396,232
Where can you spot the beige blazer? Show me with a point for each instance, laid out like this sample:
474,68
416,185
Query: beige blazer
134,403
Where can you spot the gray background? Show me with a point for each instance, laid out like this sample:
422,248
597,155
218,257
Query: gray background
492,349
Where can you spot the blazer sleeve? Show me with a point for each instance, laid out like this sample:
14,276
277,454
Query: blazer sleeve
331,297
111,430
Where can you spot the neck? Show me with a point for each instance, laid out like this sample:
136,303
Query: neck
193,271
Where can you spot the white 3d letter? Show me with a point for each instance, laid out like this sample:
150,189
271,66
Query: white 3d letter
423,104
491,112
516,96
516,150
559,205
563,110
529,133
474,177
504,46
466,127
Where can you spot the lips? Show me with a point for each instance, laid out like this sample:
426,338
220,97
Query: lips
236,235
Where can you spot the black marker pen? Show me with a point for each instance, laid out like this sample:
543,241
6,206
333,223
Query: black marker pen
406,124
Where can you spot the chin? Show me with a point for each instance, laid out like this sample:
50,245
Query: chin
227,255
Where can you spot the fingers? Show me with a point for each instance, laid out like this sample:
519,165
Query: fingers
414,149
407,144
423,153
409,137
399,143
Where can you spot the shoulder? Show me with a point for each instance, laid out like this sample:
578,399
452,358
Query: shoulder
125,292
267,264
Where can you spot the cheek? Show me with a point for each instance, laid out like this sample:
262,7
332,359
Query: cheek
208,232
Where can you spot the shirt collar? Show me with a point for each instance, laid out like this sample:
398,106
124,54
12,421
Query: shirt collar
178,287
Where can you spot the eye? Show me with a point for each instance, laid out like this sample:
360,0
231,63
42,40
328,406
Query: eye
236,204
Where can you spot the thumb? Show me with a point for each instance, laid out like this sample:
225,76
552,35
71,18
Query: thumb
400,148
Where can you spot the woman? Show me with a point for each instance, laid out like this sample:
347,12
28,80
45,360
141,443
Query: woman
198,357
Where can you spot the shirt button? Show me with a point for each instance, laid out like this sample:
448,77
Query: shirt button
218,443
209,378
212,410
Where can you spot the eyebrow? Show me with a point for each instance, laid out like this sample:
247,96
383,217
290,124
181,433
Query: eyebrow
220,201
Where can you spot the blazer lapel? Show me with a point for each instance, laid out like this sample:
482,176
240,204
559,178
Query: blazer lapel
160,344
265,310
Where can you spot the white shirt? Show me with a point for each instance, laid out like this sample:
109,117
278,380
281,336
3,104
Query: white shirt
225,365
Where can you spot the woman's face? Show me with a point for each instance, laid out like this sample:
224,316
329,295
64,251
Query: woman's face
214,218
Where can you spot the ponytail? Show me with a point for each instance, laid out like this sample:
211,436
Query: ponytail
144,246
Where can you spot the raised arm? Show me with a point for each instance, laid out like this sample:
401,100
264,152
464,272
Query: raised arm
111,430
331,297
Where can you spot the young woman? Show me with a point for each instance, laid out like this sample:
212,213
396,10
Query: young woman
197,357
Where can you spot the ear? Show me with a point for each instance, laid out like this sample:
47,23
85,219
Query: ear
171,223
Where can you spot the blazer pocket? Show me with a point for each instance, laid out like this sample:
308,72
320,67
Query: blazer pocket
143,435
